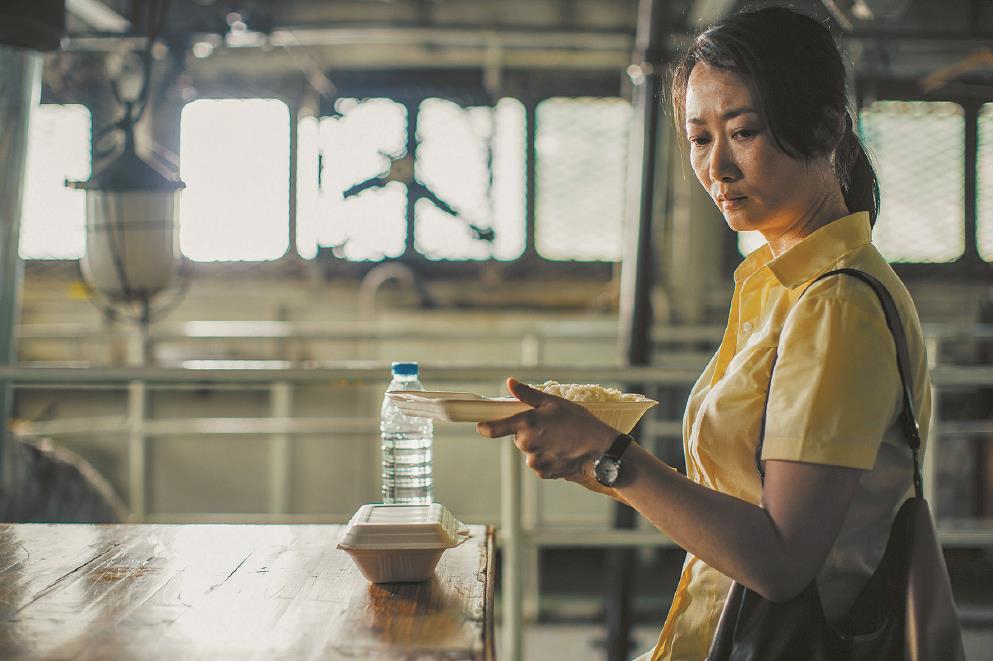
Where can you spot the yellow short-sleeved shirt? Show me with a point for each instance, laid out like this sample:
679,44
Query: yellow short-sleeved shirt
834,399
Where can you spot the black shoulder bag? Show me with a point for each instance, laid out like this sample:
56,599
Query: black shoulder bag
905,610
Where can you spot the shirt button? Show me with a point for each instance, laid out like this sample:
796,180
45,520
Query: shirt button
746,327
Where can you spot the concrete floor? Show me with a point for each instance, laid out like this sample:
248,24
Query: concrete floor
571,604
578,642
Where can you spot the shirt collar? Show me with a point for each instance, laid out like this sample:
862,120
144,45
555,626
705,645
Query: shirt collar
755,260
813,254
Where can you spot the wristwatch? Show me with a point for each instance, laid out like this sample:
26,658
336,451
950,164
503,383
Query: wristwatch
607,469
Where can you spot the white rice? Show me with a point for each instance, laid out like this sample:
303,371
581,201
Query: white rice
586,392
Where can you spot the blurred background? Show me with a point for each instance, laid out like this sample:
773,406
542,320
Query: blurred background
487,187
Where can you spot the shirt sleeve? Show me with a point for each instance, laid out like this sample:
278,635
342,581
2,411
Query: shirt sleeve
835,386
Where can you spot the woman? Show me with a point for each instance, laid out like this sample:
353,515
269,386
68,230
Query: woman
761,101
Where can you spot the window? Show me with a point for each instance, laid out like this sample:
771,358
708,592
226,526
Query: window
582,146
984,176
917,148
458,149
53,217
470,160
353,180
338,153
234,158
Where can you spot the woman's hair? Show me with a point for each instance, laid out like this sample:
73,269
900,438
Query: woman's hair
796,73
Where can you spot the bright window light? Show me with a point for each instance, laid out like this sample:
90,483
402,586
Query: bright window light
308,194
53,217
749,242
984,179
917,148
458,149
234,158
582,146
337,153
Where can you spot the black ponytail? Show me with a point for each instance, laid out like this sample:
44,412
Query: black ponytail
854,170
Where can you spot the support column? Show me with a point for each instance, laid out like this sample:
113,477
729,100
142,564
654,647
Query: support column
137,416
281,408
636,282
137,465
512,643
531,508
20,78
696,234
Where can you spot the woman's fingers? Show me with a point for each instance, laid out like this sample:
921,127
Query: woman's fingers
511,425
554,434
527,394
503,426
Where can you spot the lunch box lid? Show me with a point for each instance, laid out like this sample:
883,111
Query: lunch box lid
380,526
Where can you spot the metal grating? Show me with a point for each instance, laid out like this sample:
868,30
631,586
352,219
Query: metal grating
473,160
984,184
337,153
582,146
470,160
53,217
234,158
918,150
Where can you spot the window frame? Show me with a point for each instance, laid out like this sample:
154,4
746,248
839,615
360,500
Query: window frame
970,265
409,87
466,88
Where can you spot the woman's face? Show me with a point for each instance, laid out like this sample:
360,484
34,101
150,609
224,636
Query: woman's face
755,184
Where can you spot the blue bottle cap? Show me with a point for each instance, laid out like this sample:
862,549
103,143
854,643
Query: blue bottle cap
404,369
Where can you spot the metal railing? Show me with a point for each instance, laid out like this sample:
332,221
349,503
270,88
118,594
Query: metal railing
520,535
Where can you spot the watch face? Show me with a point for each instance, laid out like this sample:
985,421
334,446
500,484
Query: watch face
606,470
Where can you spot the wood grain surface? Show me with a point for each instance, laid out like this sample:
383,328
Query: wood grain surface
81,591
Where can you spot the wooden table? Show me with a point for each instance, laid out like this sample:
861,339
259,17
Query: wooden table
230,591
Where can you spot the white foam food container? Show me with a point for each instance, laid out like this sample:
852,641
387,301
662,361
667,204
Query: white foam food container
400,543
468,407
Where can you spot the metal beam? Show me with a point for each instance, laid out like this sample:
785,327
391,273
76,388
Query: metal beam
98,16
296,37
647,155
552,41
345,373
353,373
482,38
20,78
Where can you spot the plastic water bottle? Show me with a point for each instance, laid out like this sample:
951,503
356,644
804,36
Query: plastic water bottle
406,445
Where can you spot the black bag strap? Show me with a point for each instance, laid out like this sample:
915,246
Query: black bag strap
908,414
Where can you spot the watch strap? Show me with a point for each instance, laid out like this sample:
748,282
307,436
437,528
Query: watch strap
618,447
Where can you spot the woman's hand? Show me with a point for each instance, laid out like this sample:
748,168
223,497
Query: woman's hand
561,439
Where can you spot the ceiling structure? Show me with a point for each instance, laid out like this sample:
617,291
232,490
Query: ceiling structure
896,38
